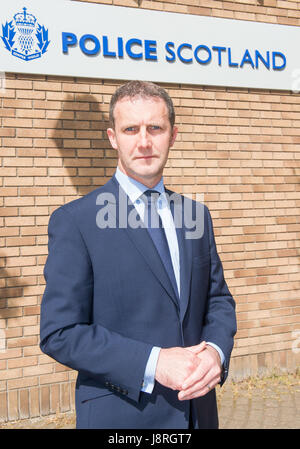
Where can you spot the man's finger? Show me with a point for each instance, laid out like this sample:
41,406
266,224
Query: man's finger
196,376
201,391
200,388
197,348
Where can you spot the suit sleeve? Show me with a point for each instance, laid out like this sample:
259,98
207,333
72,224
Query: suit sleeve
220,319
68,333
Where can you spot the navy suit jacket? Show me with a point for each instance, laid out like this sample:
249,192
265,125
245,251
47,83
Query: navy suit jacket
108,301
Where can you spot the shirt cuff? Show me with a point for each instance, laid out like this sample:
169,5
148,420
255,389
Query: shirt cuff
222,357
149,376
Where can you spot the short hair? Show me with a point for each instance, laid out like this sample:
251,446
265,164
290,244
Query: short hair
142,89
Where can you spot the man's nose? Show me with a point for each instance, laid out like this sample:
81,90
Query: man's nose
144,138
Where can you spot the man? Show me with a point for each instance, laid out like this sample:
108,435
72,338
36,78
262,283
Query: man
141,311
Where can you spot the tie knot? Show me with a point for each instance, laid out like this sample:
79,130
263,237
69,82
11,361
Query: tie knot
151,218
151,195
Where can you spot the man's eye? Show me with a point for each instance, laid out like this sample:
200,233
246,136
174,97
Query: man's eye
130,129
154,127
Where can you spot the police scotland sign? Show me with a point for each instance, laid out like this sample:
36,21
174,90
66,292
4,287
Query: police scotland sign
70,38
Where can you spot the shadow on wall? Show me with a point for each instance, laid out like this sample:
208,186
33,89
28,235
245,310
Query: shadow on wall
80,136
89,161
3,291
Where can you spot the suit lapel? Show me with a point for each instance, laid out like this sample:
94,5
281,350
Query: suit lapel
185,251
140,238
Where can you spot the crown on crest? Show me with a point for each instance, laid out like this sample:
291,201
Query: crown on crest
25,20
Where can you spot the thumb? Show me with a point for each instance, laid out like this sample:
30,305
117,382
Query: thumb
197,348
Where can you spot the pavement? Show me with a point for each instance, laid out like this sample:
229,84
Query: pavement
260,403
271,402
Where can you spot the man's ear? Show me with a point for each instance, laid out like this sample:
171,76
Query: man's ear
112,137
173,136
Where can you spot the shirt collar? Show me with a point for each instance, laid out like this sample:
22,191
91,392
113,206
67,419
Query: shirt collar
135,189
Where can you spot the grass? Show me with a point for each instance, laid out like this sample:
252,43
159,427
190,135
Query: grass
274,384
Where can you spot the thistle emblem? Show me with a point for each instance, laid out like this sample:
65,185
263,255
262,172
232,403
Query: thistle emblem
24,37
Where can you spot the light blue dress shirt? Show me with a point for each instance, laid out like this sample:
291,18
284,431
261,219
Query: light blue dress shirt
135,190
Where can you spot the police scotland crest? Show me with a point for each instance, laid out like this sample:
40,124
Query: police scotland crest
24,37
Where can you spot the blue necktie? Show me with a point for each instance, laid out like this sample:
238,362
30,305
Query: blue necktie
155,228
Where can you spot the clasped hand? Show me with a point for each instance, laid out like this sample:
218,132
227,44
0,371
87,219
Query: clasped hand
193,371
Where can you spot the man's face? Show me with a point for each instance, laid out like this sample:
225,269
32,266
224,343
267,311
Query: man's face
142,136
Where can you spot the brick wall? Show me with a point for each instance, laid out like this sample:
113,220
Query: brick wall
239,147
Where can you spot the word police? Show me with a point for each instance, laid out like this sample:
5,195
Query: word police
146,49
